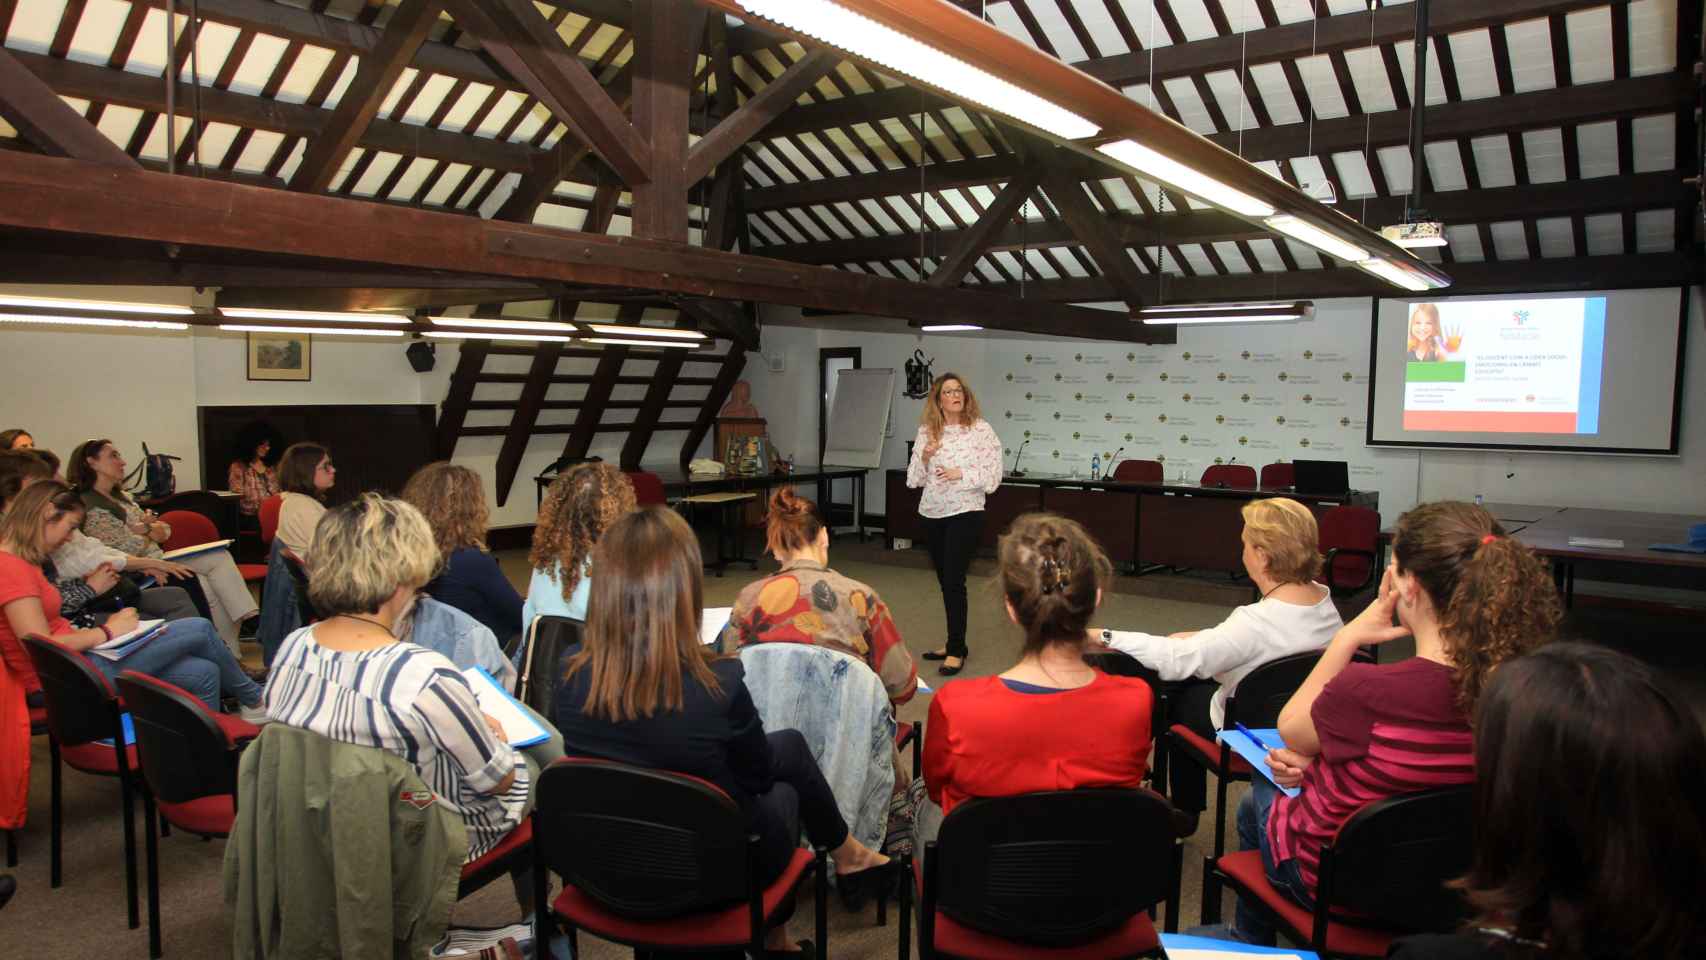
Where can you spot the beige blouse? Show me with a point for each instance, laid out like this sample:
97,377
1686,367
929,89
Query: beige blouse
298,515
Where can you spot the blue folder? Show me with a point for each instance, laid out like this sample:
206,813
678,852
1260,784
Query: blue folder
129,732
1256,756
1178,941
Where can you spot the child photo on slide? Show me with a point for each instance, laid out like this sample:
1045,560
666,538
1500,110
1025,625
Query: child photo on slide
1424,345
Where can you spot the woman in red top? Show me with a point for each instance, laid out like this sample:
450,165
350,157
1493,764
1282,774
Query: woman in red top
1051,722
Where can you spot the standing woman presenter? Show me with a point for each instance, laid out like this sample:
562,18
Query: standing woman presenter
956,459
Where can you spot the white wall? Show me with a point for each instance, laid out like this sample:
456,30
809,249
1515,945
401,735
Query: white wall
1317,357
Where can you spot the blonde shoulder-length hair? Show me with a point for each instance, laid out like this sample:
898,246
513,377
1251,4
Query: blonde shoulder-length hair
932,419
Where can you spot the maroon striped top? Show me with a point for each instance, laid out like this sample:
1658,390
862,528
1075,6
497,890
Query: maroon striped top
1385,730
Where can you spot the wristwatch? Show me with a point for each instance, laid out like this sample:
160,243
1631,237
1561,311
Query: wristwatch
1107,638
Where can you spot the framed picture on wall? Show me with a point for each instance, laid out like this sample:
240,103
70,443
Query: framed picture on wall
281,356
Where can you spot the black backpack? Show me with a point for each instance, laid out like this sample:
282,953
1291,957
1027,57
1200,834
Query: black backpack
153,476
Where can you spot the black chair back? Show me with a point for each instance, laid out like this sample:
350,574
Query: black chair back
646,844
81,705
1117,664
1053,869
1264,691
299,583
542,663
1391,860
183,752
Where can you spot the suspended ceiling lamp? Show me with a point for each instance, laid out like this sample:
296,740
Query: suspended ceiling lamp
1282,312
312,316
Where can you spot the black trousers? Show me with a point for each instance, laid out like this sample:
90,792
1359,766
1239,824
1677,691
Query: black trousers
1187,703
952,542
800,793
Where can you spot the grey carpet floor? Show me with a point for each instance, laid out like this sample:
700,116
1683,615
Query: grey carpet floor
86,917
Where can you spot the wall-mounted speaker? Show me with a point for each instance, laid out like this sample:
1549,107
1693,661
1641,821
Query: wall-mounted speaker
421,355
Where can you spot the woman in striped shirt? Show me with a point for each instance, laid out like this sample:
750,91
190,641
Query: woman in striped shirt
349,678
1356,733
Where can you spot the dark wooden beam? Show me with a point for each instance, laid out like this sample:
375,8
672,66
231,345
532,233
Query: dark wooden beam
371,298
666,43
1094,232
646,418
69,196
724,318
43,119
517,36
374,78
471,356
734,361
592,403
971,244
771,102
1488,276
526,415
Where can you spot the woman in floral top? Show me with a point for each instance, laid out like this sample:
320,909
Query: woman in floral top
97,471
251,477
957,460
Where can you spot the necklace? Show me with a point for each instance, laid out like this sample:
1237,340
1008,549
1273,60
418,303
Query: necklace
351,616
1271,592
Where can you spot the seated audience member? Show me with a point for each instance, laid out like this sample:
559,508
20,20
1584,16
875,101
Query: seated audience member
251,476
16,439
579,506
807,602
349,678
1294,615
188,653
87,572
1050,722
1359,732
305,478
1590,838
454,503
114,518
643,690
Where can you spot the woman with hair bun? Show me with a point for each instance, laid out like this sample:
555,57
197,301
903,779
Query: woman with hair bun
807,602
1051,722
1356,733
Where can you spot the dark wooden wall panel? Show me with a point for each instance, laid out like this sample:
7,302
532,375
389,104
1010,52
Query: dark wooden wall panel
374,446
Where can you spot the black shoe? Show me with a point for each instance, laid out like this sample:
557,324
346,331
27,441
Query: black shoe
935,655
8,886
948,671
857,887
1185,822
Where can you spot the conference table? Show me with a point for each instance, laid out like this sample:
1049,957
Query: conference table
1182,525
1612,545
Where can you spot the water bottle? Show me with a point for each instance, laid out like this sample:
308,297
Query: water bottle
1478,500
1095,466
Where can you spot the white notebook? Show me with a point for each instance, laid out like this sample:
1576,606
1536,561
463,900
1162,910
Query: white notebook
519,726
126,644
199,548
711,623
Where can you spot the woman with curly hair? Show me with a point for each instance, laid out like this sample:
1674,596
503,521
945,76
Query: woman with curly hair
453,501
1358,732
251,475
580,505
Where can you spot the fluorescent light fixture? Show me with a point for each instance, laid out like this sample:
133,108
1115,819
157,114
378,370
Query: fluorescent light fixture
949,327
330,331
1175,174
321,316
1227,313
1305,232
837,26
623,331
619,341
103,306
91,321
480,323
518,335
1395,275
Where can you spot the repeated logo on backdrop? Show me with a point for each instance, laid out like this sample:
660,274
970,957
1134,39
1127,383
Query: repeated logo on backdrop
1186,407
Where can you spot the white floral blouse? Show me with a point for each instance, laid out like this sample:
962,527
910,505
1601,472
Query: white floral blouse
975,450
102,522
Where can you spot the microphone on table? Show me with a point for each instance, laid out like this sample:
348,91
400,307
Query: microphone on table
1111,461
1222,483
1016,472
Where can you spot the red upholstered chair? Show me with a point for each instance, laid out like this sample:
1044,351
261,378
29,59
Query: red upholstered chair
648,488
1260,697
1348,541
82,710
1068,873
657,861
190,529
1139,471
189,766
1239,475
1279,476
1383,876
268,516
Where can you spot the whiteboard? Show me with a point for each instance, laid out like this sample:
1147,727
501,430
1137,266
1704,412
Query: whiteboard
861,414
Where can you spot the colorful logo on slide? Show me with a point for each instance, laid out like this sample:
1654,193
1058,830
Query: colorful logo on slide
1519,317
1529,398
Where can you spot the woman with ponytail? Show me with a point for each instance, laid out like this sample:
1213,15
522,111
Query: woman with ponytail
1051,722
1356,733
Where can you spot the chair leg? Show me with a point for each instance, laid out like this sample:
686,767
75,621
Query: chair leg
11,848
1176,881
905,906
152,846
130,883
1210,893
55,858
821,935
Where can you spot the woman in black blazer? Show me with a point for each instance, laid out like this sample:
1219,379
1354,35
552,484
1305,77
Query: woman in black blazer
643,690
